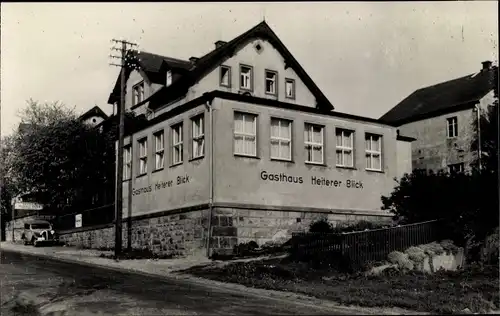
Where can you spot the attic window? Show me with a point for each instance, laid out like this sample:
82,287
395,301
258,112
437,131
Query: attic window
258,48
169,78
289,88
225,76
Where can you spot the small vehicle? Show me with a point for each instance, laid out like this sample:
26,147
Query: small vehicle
38,232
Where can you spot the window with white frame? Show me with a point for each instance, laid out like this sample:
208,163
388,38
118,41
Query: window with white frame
169,78
373,145
225,76
245,134
271,79
177,144
143,156
198,128
245,77
313,141
159,150
281,139
127,162
289,88
138,93
452,124
344,147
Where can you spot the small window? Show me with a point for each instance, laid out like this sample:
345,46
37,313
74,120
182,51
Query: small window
281,139
313,141
177,145
271,79
198,136
373,152
169,78
138,93
245,134
225,76
290,88
127,162
452,127
456,168
245,78
344,146
159,150
143,156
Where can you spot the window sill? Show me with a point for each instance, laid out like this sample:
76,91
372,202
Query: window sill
225,86
141,175
176,164
246,89
246,156
126,180
282,160
315,164
290,98
156,170
346,167
374,170
271,94
197,158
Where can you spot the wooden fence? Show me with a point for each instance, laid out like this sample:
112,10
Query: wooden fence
357,248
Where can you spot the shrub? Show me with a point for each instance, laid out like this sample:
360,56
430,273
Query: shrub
416,254
490,249
321,226
449,246
432,249
401,259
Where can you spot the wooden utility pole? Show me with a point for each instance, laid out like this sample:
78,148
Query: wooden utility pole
119,163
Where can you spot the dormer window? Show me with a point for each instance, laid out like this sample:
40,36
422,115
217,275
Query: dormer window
169,78
138,94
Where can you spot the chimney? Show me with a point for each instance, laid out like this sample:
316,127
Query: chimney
219,44
193,60
486,65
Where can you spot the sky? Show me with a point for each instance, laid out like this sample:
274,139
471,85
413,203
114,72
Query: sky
365,56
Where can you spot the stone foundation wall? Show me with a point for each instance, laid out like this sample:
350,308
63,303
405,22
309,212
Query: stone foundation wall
14,229
232,226
181,234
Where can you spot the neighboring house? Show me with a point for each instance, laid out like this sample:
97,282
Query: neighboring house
240,144
441,119
94,117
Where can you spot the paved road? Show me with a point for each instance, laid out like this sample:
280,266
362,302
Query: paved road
79,290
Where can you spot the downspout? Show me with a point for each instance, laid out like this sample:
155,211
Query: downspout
478,111
208,104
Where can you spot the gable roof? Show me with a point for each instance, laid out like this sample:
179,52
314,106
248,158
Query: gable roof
95,111
444,97
213,59
154,66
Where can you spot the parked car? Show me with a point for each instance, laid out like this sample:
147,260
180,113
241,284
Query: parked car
38,232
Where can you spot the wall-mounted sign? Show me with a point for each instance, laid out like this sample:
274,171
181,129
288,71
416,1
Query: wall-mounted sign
32,206
78,220
180,180
315,181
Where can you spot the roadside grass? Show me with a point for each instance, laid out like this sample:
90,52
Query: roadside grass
444,292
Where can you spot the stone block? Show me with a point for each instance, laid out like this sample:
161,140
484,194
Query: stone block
224,231
245,232
224,211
